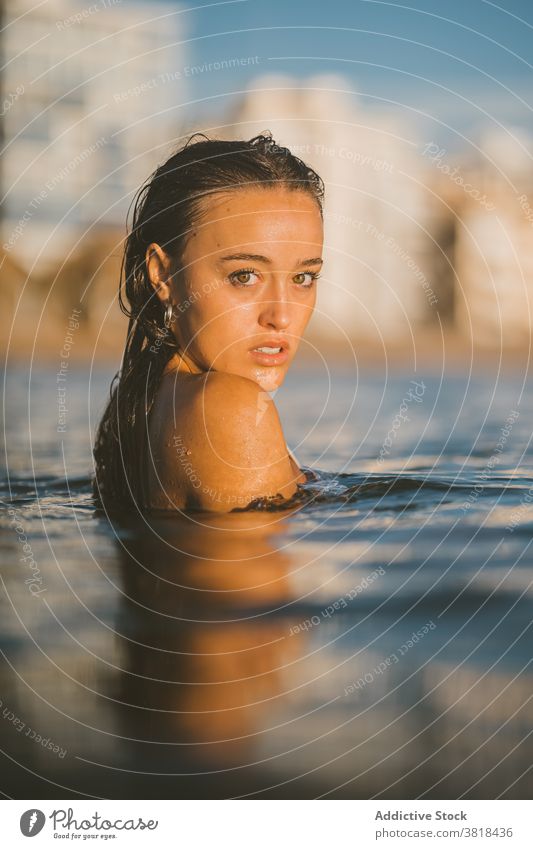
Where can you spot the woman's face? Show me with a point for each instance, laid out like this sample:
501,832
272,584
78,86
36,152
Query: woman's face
249,281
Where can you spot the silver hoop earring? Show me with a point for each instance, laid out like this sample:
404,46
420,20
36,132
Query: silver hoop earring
169,315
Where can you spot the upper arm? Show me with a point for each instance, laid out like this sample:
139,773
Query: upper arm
236,444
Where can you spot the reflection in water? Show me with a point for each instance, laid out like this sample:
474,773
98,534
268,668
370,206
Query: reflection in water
375,641
204,648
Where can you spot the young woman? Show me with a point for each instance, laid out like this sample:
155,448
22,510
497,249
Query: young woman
219,273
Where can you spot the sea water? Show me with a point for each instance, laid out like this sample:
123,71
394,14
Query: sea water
372,641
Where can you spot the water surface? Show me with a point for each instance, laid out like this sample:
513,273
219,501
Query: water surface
373,641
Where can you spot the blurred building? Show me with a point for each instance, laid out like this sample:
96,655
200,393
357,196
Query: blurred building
377,278
91,102
494,243
418,242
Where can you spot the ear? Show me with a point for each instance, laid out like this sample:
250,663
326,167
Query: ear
158,265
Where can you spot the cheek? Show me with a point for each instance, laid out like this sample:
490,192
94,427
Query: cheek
233,314
220,321
304,311
207,312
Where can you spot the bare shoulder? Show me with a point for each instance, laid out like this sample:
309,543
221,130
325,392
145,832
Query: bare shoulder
228,445
227,399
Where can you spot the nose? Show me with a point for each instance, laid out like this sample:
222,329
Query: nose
275,309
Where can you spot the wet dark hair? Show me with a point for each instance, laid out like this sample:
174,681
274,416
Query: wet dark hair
165,210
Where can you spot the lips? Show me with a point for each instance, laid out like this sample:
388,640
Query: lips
273,342
276,353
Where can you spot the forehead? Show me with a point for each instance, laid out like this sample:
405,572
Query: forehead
277,218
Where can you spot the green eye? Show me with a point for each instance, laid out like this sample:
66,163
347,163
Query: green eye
242,277
300,279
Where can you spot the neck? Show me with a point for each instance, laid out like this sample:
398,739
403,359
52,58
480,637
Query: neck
182,363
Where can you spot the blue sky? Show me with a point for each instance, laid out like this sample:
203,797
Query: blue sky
454,61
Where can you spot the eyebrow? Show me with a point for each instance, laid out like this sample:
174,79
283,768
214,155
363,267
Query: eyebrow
259,258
